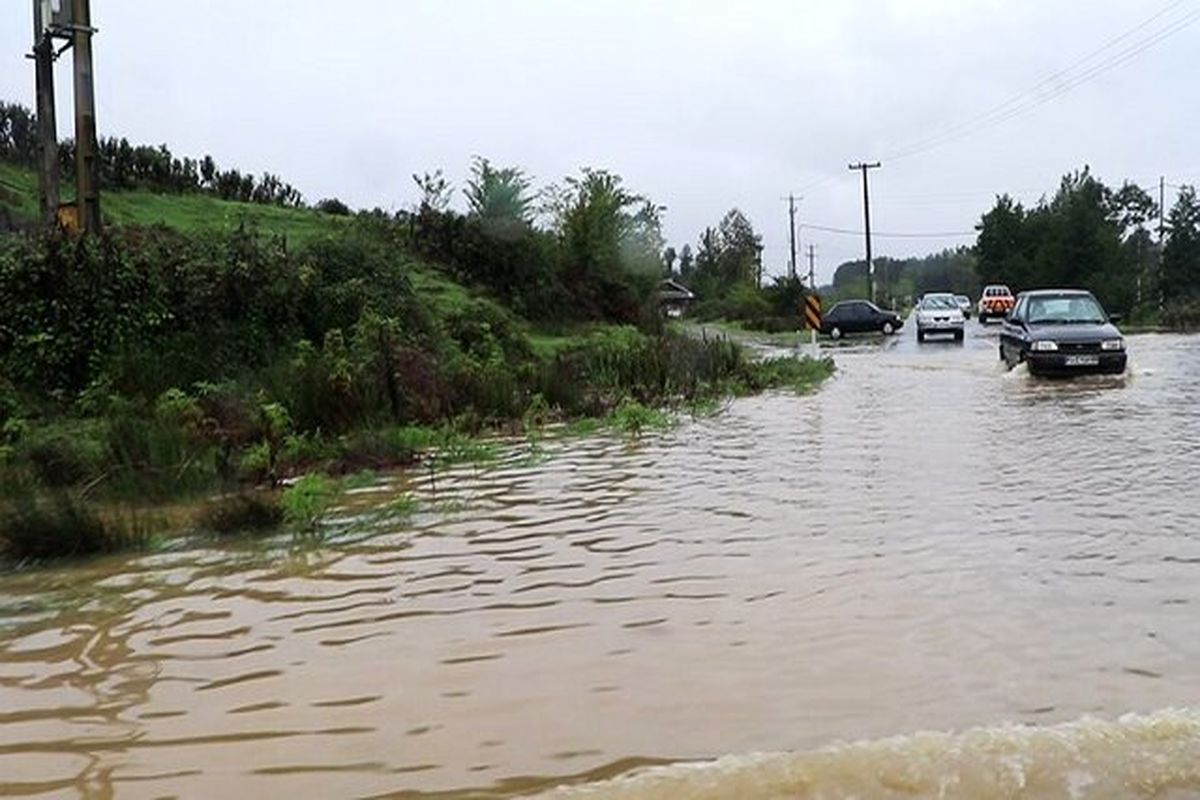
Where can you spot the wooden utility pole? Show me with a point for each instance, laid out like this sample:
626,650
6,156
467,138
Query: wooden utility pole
87,168
863,167
71,21
47,126
792,235
1162,228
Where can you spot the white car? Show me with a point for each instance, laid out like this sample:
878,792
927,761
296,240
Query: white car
939,313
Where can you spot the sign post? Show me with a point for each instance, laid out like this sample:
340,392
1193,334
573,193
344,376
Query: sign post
812,320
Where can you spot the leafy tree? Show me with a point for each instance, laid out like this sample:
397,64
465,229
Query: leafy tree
18,133
435,191
686,263
669,259
611,244
1085,236
1005,246
740,250
1181,254
334,206
499,198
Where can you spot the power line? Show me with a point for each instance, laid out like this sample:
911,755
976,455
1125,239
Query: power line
905,235
1034,96
1061,82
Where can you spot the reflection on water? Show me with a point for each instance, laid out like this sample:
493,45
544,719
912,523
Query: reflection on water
928,543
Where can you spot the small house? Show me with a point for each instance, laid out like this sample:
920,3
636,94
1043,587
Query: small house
674,298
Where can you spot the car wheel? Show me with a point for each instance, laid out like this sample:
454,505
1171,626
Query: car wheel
835,332
920,335
888,330
982,318
958,336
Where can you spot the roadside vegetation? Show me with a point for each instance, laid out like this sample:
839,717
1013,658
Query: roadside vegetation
250,354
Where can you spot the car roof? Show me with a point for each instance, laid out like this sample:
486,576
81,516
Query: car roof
1057,293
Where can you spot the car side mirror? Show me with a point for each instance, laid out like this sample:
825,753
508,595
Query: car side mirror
1114,318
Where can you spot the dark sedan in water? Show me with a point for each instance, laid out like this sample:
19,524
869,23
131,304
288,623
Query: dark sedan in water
1061,332
859,316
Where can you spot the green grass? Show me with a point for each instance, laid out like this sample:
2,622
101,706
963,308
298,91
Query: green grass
546,343
443,295
184,212
200,212
18,191
737,331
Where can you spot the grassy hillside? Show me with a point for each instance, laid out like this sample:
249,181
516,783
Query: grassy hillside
191,213
18,191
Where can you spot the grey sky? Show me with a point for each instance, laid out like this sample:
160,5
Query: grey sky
700,105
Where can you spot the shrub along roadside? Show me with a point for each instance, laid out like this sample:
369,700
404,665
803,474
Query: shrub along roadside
200,366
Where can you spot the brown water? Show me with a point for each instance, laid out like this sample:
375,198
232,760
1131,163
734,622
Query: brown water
929,543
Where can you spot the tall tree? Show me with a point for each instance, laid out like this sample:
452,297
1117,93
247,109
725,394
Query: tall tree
741,249
669,259
499,198
612,243
686,263
435,191
1181,254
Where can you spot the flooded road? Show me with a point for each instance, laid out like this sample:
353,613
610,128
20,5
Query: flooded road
928,543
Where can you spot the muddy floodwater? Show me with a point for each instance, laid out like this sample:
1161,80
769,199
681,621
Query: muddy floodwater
929,543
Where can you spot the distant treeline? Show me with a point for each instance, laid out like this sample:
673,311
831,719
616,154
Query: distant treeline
899,279
1086,235
127,166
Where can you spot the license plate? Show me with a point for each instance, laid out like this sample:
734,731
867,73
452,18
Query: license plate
1082,361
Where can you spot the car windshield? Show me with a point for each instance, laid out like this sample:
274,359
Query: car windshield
937,302
1074,309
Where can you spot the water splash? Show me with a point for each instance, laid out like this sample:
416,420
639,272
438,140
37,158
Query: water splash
1151,756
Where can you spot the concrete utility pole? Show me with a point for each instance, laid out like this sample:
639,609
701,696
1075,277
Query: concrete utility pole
87,168
863,167
812,273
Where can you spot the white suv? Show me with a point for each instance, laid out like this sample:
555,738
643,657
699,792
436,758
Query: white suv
939,313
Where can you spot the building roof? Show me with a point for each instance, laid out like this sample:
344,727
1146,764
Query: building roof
671,289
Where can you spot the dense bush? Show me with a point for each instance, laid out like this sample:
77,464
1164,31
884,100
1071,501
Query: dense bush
242,513
139,311
334,206
62,526
1182,316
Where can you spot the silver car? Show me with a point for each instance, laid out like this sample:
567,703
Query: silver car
964,303
939,313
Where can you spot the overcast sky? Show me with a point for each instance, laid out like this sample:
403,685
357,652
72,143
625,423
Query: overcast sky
702,106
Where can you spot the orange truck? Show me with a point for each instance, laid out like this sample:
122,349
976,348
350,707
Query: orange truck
996,301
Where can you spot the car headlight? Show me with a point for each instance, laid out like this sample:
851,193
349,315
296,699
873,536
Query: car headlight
1113,344
1045,346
